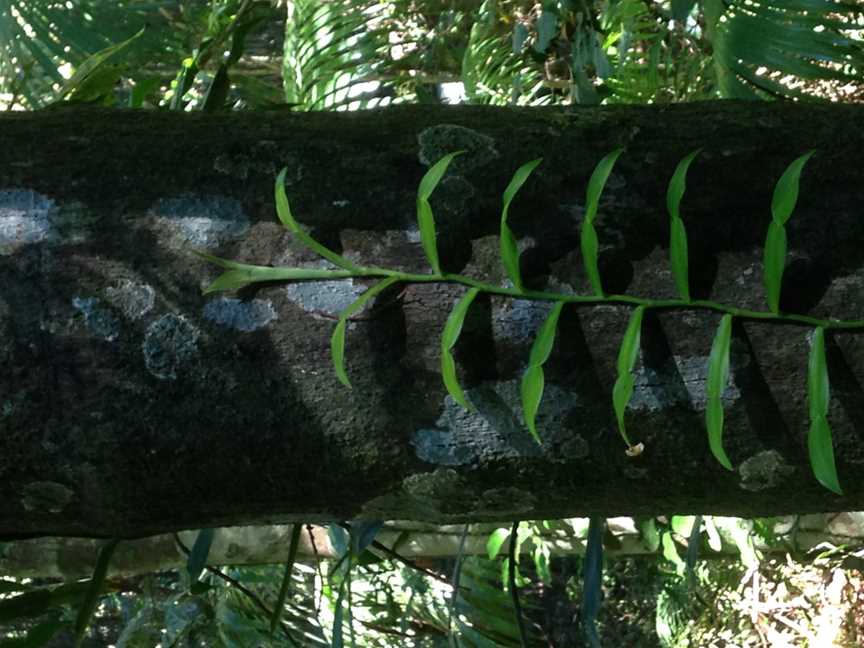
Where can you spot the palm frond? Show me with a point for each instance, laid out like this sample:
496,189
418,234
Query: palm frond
39,37
492,72
768,48
331,48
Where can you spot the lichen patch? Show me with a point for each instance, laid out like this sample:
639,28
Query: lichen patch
100,321
170,344
26,218
764,470
437,141
326,298
240,315
200,221
132,299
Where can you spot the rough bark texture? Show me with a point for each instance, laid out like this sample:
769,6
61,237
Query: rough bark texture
130,404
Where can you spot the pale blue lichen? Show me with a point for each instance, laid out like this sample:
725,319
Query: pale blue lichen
327,298
100,321
26,218
171,342
132,299
497,429
200,221
240,315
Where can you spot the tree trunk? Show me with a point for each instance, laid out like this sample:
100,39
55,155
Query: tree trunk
131,404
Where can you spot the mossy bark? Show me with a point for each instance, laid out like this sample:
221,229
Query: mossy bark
131,404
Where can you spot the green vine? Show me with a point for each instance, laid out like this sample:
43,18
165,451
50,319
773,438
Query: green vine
819,441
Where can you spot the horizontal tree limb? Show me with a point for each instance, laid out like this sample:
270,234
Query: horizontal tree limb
132,404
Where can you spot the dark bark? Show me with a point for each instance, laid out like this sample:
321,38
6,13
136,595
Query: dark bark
130,404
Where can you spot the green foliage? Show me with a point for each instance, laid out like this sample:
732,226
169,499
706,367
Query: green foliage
627,355
509,251
533,380
589,235
283,209
677,233
449,337
337,340
819,441
782,205
425,218
718,375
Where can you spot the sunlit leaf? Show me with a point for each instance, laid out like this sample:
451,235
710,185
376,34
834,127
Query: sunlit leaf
97,75
718,374
589,256
449,337
94,591
509,251
337,340
496,540
819,445
819,441
592,589
786,191
678,257
627,354
542,347
677,233
678,184
425,218
818,390
283,209
774,261
533,380
621,394
598,181
629,350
